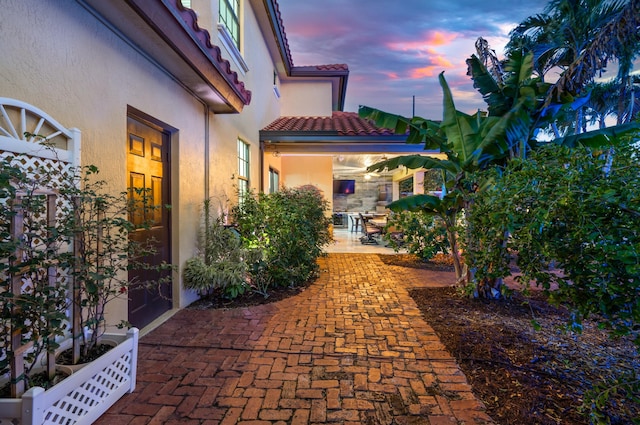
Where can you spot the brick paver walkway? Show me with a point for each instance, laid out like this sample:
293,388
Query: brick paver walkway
353,348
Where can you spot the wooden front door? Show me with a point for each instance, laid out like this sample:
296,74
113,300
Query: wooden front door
148,168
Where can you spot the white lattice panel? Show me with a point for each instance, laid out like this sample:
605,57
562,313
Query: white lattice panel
41,170
76,404
84,396
47,152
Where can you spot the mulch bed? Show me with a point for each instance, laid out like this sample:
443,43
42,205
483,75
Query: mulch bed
217,300
524,375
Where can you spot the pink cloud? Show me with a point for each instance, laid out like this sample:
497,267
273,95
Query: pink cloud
437,65
427,71
392,75
432,38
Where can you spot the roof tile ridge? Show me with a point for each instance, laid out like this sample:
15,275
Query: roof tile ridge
285,39
190,17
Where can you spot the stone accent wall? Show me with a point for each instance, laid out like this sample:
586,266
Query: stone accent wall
369,195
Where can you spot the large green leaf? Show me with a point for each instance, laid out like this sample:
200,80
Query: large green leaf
492,93
519,68
414,162
418,130
459,128
421,202
500,134
446,206
600,137
397,123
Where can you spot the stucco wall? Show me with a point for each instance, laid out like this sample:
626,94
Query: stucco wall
311,99
314,170
58,57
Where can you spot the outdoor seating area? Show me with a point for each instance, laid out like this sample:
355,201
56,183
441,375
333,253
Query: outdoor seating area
371,229
364,234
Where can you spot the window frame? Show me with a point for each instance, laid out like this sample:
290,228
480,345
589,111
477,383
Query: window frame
244,168
230,12
232,42
274,186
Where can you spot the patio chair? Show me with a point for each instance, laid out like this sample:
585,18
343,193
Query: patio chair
370,232
355,222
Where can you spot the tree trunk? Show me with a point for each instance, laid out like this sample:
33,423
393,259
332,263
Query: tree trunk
455,253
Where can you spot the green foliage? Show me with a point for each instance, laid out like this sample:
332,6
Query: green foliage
38,310
424,235
577,211
285,232
433,180
597,402
100,224
221,264
63,209
472,143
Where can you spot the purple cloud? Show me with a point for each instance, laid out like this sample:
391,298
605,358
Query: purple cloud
395,50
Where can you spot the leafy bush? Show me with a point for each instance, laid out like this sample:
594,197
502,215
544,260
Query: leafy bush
66,249
100,224
221,264
424,235
571,218
577,210
286,232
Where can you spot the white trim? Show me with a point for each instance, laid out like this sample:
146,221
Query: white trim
13,139
227,42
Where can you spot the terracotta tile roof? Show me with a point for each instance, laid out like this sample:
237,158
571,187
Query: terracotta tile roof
332,67
276,6
190,17
340,123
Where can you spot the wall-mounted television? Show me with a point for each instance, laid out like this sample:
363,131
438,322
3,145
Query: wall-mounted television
344,187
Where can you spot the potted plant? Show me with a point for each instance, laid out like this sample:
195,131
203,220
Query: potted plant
66,240
99,223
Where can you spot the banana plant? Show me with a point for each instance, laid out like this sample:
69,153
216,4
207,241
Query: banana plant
516,112
470,143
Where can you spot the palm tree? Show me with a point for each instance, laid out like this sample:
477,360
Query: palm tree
580,37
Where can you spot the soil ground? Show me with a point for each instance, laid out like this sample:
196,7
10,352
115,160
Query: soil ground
524,375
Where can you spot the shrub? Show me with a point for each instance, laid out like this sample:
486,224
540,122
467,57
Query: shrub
30,257
66,249
286,231
577,210
424,235
221,263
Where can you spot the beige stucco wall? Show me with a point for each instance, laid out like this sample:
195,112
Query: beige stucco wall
418,181
306,98
58,57
313,170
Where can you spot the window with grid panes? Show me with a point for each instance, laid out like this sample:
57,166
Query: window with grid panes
243,169
229,13
274,180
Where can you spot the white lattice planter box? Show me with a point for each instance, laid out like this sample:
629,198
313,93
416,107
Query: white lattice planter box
82,397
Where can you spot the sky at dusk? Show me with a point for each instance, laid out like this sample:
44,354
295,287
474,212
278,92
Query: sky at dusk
396,49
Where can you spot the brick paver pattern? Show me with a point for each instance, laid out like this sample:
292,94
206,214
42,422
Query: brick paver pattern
353,348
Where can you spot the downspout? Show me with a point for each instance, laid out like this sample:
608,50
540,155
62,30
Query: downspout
261,162
207,110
